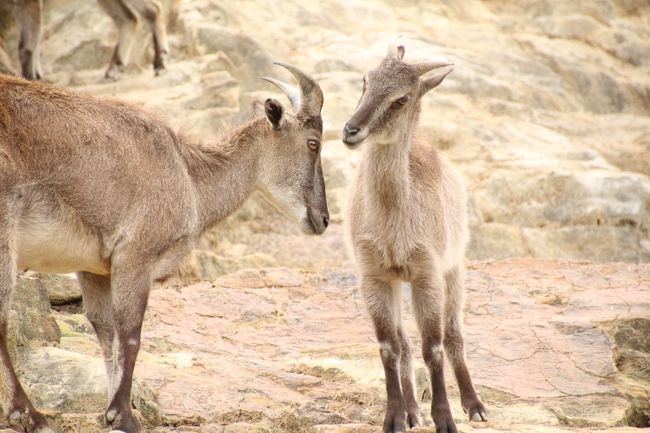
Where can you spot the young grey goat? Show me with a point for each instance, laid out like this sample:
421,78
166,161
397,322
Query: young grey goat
104,189
406,221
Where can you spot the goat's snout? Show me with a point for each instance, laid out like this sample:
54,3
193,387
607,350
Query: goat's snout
353,135
319,219
351,130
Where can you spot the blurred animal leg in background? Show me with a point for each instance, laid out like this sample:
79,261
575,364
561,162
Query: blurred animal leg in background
5,22
154,15
29,18
126,20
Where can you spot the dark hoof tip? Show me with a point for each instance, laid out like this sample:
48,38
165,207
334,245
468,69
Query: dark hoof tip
112,76
160,71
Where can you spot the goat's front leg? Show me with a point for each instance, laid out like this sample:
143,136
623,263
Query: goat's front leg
154,15
380,302
407,380
129,294
96,292
428,297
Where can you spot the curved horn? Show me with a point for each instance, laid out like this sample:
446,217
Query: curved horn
292,92
424,67
311,95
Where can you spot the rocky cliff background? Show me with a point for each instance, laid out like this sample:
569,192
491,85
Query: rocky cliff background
547,114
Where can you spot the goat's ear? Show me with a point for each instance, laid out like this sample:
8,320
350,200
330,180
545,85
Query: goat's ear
433,81
258,108
274,112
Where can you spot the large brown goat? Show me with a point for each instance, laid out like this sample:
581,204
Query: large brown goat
104,189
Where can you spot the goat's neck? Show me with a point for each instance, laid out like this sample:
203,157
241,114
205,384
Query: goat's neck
225,173
387,168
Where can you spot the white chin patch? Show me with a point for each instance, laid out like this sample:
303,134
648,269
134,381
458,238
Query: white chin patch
306,227
286,205
303,217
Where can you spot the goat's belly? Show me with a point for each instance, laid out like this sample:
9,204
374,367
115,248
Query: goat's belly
47,245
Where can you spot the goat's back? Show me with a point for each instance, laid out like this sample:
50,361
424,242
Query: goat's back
106,159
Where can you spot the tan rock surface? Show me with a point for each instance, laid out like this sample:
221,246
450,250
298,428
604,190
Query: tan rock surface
552,346
30,322
535,340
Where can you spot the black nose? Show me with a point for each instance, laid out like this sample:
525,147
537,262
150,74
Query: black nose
326,221
351,130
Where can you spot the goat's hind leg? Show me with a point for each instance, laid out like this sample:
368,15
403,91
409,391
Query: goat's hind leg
19,410
30,20
130,284
154,14
96,292
454,345
126,20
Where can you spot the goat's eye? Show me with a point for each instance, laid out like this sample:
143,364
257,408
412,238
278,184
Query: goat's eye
313,144
403,100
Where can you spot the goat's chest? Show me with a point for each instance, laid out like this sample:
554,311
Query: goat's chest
392,237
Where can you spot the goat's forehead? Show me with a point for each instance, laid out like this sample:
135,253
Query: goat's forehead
312,124
392,74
